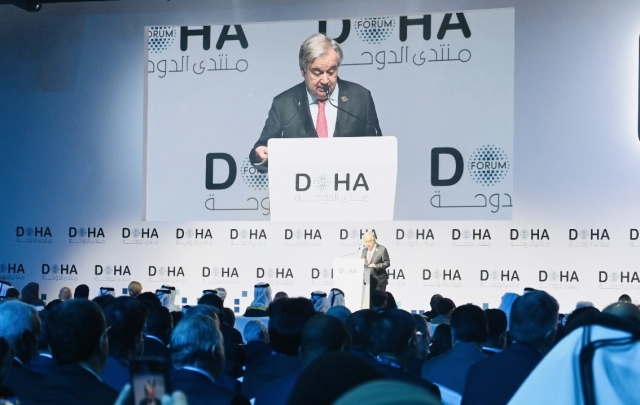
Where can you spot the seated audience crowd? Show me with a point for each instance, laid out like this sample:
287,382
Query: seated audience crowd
311,351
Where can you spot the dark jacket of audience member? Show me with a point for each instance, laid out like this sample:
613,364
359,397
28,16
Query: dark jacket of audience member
396,344
469,331
287,318
359,326
532,325
198,355
126,318
76,334
320,335
157,333
330,376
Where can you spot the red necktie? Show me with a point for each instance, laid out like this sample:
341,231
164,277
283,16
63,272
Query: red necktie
321,122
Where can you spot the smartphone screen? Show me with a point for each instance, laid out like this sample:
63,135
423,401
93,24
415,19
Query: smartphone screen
149,381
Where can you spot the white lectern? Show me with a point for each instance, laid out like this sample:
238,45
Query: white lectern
334,179
352,278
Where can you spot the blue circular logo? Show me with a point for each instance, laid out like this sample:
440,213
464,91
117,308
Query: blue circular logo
374,30
488,165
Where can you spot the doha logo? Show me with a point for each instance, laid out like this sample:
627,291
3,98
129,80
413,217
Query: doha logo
488,165
253,178
374,30
161,38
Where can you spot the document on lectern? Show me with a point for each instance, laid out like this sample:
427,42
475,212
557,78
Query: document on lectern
334,179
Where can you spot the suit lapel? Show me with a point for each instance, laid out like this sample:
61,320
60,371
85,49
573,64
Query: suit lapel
305,114
343,103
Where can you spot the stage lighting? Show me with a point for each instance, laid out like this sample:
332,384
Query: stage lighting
32,6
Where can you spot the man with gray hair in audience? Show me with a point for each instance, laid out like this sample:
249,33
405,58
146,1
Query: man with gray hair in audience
65,294
533,323
20,327
325,105
198,354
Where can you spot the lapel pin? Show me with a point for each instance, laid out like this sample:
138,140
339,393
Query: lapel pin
344,99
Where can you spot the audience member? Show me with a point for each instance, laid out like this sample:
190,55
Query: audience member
433,303
583,304
65,294
5,365
624,298
395,344
235,353
440,342
424,339
468,331
359,325
336,297
102,300
31,295
279,295
20,327
445,308
157,333
625,310
107,291
198,354
532,326
580,317
125,318
378,300
172,298
148,299
497,338
4,287
330,376
228,317
222,293
320,335
287,318
42,362
50,306
134,289
261,300
81,291
339,312
79,357
12,293
320,301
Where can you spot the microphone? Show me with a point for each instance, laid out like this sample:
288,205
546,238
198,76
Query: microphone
292,118
353,253
325,87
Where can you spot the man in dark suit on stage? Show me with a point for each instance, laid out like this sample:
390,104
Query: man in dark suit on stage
323,106
377,259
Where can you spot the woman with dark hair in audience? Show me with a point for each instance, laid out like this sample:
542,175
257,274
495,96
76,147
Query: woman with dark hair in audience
441,341
31,295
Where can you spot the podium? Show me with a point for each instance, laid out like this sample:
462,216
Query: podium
334,179
352,277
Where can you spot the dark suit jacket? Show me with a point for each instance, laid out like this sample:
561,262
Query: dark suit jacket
202,391
265,369
40,364
394,373
21,380
380,258
71,384
277,392
450,368
155,348
496,379
359,117
115,373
